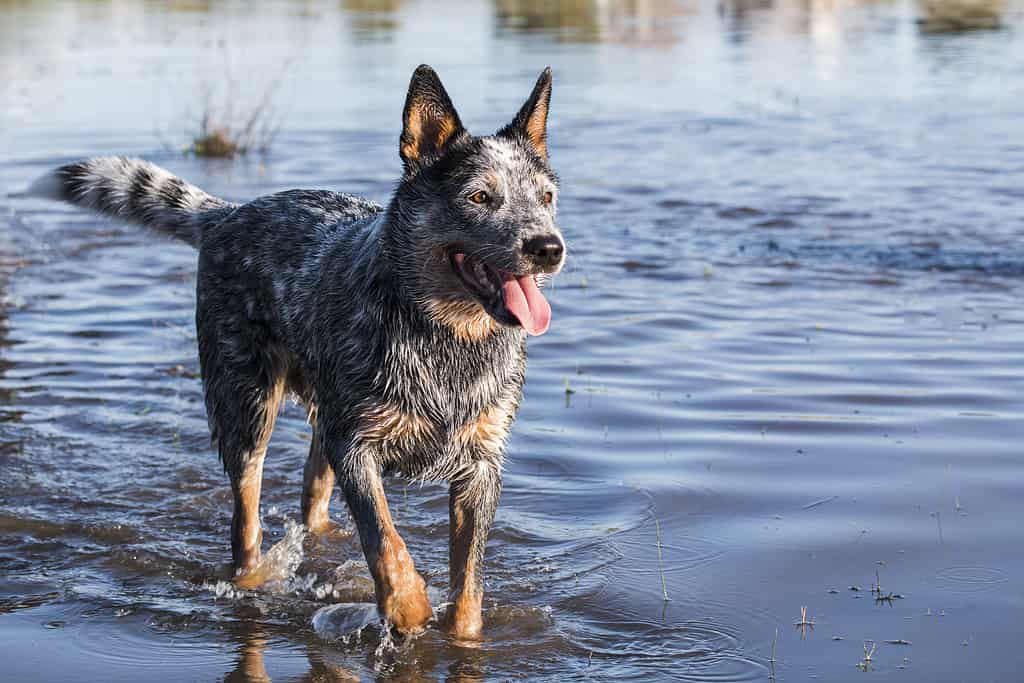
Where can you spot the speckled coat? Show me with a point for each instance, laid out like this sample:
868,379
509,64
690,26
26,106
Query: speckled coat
355,309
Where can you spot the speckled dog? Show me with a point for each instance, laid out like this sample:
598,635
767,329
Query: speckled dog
401,328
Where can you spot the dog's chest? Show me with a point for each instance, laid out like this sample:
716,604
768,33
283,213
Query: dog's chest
445,408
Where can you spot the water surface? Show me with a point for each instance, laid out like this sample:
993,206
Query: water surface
789,337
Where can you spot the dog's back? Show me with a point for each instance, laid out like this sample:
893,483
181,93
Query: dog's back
267,256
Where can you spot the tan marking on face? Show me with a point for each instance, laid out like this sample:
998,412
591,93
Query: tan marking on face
489,430
445,299
494,181
467,319
387,423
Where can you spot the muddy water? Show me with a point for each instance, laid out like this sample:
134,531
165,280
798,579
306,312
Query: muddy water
789,340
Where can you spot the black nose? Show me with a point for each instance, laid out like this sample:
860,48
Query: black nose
545,250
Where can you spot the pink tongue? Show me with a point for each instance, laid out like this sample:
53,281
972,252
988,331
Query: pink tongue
524,300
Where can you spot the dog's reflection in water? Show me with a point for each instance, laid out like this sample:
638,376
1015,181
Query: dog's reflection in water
251,667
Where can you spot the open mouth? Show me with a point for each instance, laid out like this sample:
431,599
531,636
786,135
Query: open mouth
509,298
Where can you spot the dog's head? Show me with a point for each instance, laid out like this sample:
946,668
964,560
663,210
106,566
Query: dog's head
477,213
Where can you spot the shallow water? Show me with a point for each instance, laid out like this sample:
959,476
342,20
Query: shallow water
789,339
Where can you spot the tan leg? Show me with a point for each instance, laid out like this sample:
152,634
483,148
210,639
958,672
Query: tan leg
246,529
471,506
317,486
401,592
246,473
464,618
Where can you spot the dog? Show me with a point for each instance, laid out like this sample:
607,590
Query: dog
402,329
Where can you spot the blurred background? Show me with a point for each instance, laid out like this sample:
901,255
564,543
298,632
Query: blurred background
785,368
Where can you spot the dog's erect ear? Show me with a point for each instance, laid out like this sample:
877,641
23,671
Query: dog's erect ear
429,120
532,120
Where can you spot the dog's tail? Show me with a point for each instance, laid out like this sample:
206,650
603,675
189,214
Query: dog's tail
135,191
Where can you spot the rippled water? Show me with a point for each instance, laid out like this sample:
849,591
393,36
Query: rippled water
789,338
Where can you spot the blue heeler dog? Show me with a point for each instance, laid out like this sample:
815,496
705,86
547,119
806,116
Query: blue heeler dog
401,328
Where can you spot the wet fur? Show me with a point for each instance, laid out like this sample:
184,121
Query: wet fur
353,308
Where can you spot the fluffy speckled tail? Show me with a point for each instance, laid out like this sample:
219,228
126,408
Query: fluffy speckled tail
135,191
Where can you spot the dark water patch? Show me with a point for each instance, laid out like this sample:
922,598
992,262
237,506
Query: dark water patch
633,265
739,212
898,258
777,223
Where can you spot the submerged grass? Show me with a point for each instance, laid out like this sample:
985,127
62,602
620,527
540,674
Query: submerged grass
232,121
661,568
219,137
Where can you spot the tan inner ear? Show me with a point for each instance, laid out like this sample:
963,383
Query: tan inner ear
427,130
537,127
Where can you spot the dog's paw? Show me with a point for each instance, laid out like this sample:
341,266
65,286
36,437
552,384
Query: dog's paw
325,526
402,593
463,620
408,611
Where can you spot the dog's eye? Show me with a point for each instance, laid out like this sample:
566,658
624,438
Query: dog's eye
479,197
549,197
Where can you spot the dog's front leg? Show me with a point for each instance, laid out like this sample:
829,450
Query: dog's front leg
472,500
401,592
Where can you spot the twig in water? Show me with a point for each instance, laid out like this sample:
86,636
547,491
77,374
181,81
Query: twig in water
865,663
804,623
661,569
819,502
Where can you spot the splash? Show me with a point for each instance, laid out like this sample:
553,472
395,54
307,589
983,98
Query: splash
276,572
385,647
344,621
223,589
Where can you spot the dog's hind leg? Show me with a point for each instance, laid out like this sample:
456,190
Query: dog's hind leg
243,457
401,592
472,500
317,486
243,382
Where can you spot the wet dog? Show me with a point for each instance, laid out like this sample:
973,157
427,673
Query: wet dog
402,328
